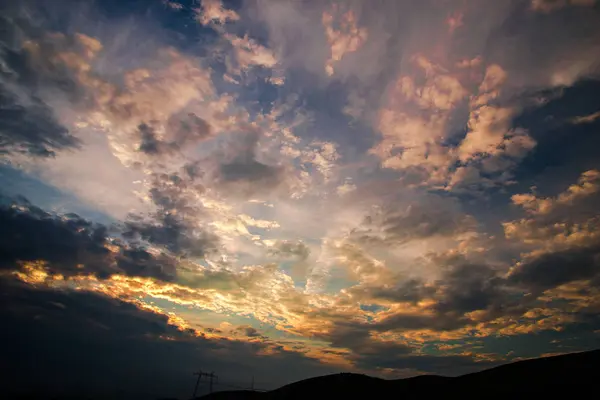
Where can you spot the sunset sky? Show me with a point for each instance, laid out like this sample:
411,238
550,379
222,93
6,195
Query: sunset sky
283,189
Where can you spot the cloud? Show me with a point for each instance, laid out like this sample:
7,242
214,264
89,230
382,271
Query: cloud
360,265
586,185
31,128
176,224
180,131
27,123
563,231
248,331
249,167
72,251
189,129
467,287
142,116
547,6
488,127
370,352
418,139
251,171
290,249
149,144
413,139
173,5
147,99
56,327
389,357
248,177
491,147
343,34
309,183
138,262
249,53
71,246
455,21
269,295
157,100
246,52
431,216
550,270
570,59
400,291
263,292
586,119
345,188
440,91
212,11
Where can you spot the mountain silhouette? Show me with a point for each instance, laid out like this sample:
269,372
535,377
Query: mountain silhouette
576,374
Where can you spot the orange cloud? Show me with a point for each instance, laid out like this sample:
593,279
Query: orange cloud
212,11
454,21
586,119
343,35
587,184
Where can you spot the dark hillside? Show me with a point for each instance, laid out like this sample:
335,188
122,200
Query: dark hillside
574,374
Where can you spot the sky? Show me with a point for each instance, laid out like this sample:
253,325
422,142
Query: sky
274,190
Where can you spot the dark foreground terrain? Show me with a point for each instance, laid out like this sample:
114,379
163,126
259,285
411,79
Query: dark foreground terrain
574,375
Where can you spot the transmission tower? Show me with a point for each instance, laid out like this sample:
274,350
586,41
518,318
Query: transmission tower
211,377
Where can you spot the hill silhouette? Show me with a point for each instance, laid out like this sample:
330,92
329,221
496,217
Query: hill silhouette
570,374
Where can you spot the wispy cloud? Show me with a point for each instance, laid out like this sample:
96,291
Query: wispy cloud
587,119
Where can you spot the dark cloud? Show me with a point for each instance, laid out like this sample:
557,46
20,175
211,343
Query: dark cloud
421,222
181,131
29,52
242,173
284,248
447,365
253,175
139,262
172,233
565,236
61,343
405,291
553,269
149,143
73,343
29,234
71,245
437,322
193,170
175,224
188,128
462,287
467,287
565,149
248,331
29,126
355,336
520,44
27,123
431,216
372,354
